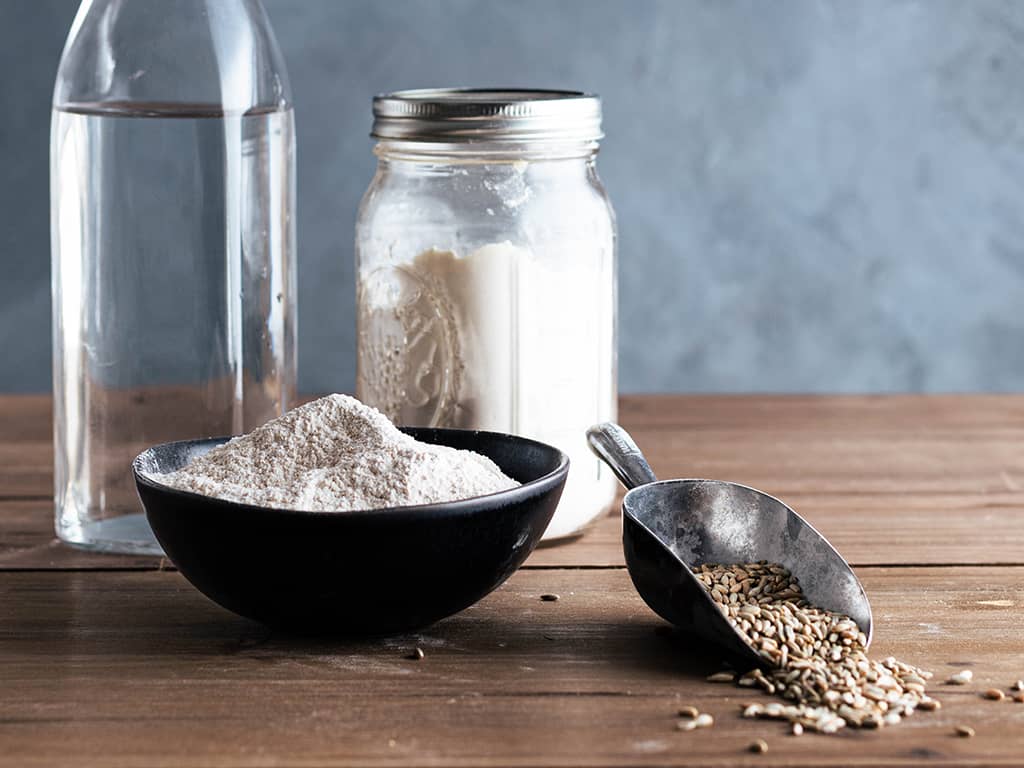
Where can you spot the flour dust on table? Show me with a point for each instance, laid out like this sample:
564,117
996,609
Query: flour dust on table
337,453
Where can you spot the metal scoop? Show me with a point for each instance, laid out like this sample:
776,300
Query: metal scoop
671,526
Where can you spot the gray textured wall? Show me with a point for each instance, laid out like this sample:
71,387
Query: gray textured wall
812,196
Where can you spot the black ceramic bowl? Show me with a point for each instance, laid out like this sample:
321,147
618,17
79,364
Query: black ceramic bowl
372,572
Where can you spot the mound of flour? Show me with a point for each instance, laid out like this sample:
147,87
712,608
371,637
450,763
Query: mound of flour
336,453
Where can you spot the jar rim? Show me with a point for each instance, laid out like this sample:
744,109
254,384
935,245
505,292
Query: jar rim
457,116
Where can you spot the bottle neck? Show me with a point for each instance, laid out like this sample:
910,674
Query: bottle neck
211,57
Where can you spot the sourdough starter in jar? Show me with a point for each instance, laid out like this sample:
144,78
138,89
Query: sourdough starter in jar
486,275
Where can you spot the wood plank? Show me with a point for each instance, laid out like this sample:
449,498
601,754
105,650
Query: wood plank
959,462
917,479
132,668
26,469
28,417
26,446
868,530
27,542
846,443
889,412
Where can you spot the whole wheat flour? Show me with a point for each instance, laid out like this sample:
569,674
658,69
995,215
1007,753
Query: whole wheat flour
336,453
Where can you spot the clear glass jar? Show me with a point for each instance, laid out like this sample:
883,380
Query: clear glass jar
172,215
485,273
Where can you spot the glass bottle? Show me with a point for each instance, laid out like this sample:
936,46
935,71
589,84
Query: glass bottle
172,221
485,274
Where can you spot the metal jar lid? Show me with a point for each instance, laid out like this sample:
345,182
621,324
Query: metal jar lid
460,115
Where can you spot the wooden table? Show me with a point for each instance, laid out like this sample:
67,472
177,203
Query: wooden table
114,661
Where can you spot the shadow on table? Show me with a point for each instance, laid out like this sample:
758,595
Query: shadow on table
122,615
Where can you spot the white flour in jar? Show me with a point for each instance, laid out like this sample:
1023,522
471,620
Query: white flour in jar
336,453
497,339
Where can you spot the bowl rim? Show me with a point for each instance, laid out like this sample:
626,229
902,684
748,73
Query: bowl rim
473,504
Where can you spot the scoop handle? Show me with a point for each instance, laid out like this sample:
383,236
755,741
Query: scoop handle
616,448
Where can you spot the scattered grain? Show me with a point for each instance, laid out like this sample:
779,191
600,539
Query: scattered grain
817,658
963,677
758,747
416,654
964,731
549,598
994,694
688,711
704,720
721,677
753,710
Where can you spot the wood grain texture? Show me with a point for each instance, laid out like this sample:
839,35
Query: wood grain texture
785,443
26,446
111,660
136,668
868,529
27,542
894,479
